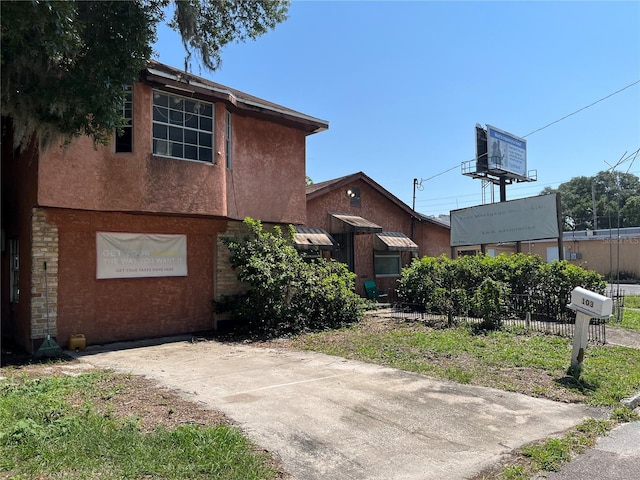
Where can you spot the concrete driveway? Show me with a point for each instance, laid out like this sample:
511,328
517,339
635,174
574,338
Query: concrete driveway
331,418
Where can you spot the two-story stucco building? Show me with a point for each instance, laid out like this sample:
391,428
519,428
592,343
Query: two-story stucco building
130,233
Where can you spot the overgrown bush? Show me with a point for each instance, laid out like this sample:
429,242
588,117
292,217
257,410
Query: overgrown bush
286,294
483,285
490,301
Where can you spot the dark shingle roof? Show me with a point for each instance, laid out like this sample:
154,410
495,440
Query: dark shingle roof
159,73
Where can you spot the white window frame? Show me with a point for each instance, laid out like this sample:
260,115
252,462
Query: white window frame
387,255
183,128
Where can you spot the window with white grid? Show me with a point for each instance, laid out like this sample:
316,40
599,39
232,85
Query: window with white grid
182,127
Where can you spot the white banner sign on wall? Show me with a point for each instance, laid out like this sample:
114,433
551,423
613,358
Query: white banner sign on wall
137,255
530,218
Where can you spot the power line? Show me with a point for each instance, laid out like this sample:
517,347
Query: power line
546,126
463,200
583,108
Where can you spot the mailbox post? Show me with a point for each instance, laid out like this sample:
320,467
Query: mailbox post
587,305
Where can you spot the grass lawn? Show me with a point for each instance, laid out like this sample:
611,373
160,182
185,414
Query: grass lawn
632,301
631,313
69,427
531,363
630,319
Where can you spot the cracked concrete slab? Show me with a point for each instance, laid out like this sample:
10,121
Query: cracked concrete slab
332,418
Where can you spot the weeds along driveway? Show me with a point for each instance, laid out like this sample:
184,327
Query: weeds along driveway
331,418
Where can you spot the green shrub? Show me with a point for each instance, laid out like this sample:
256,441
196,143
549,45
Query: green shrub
490,301
286,294
457,287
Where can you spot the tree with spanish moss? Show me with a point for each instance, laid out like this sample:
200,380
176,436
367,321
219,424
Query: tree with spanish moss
63,64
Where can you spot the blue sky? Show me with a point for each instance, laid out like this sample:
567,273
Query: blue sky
403,84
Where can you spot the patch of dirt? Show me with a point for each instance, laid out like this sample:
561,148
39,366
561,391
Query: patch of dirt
131,397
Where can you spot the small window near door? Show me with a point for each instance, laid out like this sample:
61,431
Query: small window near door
387,264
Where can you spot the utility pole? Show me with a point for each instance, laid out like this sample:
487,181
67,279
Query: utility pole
593,200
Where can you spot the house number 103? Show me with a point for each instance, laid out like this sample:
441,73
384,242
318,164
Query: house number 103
587,302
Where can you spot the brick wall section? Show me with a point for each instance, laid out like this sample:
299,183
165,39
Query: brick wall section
44,285
227,282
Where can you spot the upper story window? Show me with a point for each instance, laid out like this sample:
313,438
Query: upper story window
124,137
182,127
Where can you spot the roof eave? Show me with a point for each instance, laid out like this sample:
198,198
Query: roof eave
308,123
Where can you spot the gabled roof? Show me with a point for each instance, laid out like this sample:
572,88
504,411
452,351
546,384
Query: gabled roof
435,221
318,189
183,83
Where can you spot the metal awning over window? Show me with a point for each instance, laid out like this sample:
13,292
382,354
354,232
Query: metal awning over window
306,238
342,223
395,242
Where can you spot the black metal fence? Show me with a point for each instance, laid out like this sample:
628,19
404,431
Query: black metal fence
617,296
543,314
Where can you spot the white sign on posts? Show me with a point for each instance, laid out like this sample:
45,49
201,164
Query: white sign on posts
138,255
531,218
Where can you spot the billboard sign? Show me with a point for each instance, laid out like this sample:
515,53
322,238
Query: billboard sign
507,154
532,218
139,255
481,149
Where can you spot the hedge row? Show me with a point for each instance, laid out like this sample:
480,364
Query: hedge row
482,286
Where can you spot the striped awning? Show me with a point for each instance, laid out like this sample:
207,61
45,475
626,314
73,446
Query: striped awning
306,238
395,242
343,223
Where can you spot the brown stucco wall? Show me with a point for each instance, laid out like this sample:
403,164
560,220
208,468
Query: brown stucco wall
266,180
431,239
124,309
374,207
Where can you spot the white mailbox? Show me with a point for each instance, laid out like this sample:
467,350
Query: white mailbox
591,303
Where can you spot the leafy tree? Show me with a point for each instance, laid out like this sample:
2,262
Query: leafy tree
630,212
616,195
64,63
